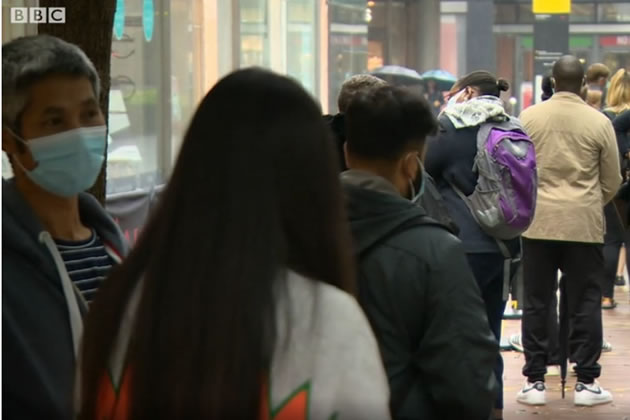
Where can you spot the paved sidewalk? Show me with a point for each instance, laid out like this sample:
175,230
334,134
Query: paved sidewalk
615,375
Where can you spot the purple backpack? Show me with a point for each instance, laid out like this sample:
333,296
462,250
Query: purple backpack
504,200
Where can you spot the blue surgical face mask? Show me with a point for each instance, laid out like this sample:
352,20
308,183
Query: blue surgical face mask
415,197
68,163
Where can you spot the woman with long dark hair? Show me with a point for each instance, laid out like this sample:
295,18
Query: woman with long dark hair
235,303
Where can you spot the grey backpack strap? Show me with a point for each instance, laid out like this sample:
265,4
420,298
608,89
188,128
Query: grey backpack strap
507,255
508,260
465,199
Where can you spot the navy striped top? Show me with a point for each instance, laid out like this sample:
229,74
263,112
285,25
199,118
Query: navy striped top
87,263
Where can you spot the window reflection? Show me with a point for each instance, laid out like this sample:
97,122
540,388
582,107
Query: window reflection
136,95
614,12
582,12
301,35
254,33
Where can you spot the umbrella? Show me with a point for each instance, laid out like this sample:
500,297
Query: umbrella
444,79
398,75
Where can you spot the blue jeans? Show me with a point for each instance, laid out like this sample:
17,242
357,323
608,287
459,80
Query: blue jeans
488,271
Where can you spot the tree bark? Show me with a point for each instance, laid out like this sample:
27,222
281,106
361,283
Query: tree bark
89,24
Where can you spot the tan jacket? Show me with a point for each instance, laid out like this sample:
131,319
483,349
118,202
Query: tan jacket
578,169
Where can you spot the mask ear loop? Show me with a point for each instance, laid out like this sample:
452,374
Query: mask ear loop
21,141
412,196
415,197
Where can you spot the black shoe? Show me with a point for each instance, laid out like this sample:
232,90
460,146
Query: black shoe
620,281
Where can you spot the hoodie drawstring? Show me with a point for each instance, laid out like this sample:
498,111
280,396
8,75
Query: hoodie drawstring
74,313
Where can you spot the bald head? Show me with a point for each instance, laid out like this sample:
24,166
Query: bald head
568,74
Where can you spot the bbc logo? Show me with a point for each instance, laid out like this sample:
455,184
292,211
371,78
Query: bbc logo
38,15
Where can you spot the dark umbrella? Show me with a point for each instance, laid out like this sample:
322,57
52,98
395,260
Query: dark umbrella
442,78
398,75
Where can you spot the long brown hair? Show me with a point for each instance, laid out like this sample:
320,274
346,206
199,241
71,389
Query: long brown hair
255,191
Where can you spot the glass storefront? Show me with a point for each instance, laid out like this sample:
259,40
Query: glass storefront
348,44
301,49
254,35
138,94
166,55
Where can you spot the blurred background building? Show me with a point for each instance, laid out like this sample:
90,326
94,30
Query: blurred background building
166,54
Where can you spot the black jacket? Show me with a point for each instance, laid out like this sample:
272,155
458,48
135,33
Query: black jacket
38,358
622,129
449,159
614,225
424,306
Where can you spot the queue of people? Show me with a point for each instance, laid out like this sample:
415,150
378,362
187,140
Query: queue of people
340,293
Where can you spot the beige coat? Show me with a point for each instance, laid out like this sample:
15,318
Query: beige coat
578,169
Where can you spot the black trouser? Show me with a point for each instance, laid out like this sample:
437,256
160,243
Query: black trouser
611,262
488,271
583,265
613,240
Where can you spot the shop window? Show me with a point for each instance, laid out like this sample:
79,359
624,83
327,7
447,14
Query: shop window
582,12
614,12
505,13
138,92
301,51
254,33
525,14
348,44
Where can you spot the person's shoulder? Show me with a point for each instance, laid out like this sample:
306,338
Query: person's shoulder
599,118
444,122
429,242
532,110
331,303
303,287
97,217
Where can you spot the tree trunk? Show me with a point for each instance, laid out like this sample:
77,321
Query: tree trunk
89,24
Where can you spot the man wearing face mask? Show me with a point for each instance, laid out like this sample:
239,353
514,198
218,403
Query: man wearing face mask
58,242
414,282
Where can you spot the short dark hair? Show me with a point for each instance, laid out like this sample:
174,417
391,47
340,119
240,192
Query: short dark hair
384,122
483,80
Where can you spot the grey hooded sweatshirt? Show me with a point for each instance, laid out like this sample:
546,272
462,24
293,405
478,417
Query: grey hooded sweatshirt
42,311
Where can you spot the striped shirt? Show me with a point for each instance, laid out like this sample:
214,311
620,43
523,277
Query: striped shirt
87,263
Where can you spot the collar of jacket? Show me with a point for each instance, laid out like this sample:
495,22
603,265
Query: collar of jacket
566,96
24,225
369,181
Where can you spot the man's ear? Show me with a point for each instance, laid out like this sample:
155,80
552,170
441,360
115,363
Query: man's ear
410,165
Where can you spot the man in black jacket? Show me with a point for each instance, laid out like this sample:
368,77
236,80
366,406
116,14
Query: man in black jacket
414,281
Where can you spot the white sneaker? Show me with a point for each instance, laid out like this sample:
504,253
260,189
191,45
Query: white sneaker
606,347
591,394
517,343
532,394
